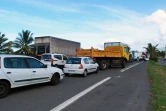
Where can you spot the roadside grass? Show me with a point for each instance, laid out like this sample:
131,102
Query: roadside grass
157,75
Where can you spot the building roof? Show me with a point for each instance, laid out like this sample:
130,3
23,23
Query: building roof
57,38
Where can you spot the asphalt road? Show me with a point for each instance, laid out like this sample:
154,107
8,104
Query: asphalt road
162,61
126,90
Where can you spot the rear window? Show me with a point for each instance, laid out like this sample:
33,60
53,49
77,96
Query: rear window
46,57
58,57
73,61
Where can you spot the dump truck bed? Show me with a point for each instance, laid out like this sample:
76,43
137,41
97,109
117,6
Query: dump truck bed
112,51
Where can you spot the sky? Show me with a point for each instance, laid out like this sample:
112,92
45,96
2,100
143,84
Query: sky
90,22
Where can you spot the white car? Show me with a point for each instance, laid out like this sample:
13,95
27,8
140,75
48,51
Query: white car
54,59
80,65
18,70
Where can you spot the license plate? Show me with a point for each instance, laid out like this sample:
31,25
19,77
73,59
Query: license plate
71,71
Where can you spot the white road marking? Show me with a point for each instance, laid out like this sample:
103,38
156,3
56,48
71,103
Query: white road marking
76,97
130,67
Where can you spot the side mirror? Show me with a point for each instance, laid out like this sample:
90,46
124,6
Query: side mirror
45,66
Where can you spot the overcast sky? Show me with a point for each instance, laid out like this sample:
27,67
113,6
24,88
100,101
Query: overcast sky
91,22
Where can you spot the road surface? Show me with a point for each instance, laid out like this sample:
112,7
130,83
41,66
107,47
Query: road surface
114,89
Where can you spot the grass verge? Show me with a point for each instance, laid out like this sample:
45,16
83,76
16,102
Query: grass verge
157,75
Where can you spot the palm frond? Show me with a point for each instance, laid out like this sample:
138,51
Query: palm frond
23,43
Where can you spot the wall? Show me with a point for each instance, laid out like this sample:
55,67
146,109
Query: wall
63,46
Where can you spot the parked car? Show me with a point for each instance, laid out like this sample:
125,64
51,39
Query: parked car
18,70
54,59
80,65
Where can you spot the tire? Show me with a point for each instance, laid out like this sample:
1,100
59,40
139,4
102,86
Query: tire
123,64
55,79
109,66
4,89
97,70
85,73
66,74
55,65
103,64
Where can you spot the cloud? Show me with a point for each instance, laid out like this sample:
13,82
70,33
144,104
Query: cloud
110,24
128,27
159,18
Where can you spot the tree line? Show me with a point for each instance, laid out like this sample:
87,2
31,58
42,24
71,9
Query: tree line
154,52
22,44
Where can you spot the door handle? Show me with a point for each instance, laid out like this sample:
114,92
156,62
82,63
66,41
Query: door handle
34,71
8,72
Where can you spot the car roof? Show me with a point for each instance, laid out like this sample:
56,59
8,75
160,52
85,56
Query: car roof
12,55
79,57
52,54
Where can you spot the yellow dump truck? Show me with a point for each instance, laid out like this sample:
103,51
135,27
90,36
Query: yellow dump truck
114,54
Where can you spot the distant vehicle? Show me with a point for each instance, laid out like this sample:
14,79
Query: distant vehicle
143,57
130,58
114,54
137,56
133,55
54,59
17,71
80,65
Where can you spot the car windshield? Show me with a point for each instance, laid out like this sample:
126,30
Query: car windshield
74,61
46,57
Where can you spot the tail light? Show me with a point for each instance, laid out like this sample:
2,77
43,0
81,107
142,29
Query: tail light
81,66
52,61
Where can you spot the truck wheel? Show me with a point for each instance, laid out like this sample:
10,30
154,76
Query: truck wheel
109,66
123,63
103,64
4,89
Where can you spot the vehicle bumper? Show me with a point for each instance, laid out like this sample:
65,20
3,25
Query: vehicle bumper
62,76
73,71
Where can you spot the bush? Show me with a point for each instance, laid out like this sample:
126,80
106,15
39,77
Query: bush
154,59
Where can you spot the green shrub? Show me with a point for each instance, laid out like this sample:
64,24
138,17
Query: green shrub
154,59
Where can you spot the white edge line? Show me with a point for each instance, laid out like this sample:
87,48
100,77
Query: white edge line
76,97
130,67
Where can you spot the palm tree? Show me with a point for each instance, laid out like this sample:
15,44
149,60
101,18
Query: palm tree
5,47
152,50
24,43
